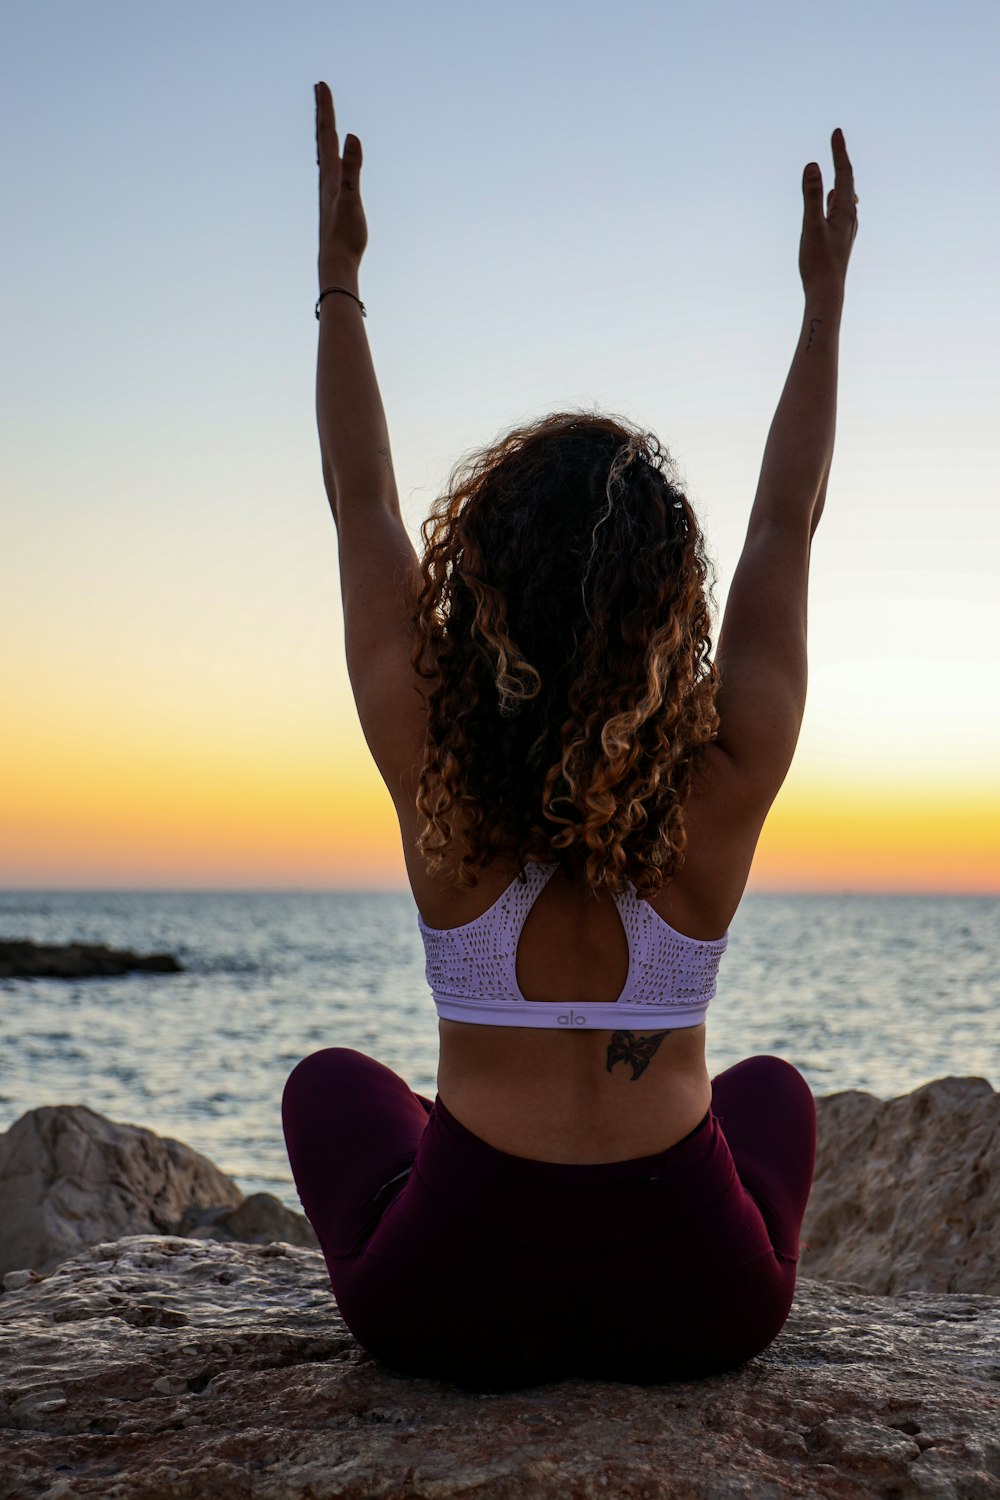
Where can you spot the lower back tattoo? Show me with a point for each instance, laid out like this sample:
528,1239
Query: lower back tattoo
626,1047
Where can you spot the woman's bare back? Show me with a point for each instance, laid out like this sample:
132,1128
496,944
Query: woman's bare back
588,1095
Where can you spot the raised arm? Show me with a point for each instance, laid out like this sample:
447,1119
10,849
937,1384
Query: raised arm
762,644
378,567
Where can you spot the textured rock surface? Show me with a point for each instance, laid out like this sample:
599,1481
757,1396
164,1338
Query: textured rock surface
21,959
155,1368
69,1177
906,1195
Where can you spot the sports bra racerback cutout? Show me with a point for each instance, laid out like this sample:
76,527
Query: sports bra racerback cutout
471,969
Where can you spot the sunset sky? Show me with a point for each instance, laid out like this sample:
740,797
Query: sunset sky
569,206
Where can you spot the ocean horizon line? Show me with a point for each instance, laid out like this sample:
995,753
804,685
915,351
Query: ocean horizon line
786,893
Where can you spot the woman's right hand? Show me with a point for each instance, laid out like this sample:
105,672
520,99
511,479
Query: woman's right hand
343,232
827,237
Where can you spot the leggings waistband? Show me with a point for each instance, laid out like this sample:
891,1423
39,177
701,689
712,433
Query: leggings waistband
595,1206
528,1169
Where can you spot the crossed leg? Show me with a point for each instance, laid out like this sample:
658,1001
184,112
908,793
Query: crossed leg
768,1117
352,1127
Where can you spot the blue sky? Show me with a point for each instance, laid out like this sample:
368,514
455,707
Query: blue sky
568,205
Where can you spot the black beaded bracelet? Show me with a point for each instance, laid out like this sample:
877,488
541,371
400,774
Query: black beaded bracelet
340,289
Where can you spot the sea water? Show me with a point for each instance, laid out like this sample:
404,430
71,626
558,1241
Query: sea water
881,993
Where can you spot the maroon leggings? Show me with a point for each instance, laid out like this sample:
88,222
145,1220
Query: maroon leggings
450,1258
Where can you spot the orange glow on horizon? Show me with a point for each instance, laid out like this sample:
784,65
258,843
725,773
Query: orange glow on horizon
331,824
92,796
844,836
180,814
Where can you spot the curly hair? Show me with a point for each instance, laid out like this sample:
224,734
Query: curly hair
563,629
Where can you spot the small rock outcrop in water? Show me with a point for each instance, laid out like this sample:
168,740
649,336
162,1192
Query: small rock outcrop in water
69,1178
163,1369
26,960
906,1195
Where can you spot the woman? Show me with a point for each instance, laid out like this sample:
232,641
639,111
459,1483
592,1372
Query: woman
580,790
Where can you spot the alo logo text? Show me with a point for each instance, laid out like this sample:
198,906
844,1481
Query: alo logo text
572,1019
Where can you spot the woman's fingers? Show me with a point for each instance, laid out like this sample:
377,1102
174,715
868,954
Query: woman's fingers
328,157
352,157
843,207
327,148
828,227
342,227
812,192
843,171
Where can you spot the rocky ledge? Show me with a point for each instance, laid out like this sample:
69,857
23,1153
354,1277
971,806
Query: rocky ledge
21,959
160,1357
157,1368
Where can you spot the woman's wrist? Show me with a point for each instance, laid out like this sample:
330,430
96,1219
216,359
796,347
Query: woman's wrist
342,273
825,297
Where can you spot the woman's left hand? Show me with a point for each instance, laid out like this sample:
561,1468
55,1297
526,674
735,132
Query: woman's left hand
343,232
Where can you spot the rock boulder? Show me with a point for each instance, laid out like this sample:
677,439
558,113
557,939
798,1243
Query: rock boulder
69,1177
906,1195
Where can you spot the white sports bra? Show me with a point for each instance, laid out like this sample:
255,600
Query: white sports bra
472,969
